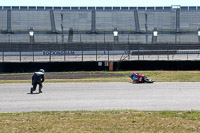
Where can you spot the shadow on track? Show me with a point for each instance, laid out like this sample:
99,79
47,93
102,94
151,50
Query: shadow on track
139,83
33,93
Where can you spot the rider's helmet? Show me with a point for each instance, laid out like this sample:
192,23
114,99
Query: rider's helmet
41,70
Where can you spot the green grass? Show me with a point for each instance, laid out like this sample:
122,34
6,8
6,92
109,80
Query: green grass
101,121
158,76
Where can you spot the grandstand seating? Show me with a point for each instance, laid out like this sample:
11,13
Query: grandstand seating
160,19
3,20
79,20
23,20
190,20
107,20
96,24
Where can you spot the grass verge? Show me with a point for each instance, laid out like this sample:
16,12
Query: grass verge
101,121
158,76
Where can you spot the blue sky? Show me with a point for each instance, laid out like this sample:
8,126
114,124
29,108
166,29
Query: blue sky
99,2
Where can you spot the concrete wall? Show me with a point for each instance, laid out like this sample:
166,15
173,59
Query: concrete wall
99,66
159,65
52,66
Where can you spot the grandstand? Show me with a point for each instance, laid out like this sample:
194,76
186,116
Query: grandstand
71,27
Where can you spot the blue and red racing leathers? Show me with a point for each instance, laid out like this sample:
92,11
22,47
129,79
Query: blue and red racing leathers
137,77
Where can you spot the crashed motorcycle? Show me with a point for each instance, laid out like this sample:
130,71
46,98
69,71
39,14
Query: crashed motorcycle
140,78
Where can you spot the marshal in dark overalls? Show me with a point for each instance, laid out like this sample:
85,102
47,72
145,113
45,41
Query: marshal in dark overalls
37,79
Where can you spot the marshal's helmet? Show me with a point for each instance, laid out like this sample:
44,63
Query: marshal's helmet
41,70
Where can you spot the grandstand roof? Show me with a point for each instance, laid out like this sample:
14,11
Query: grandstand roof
96,8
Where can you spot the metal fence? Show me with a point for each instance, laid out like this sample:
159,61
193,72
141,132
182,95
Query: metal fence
51,52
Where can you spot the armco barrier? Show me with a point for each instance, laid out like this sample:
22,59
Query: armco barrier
11,67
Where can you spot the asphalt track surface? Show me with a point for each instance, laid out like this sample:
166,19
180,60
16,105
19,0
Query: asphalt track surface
101,96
